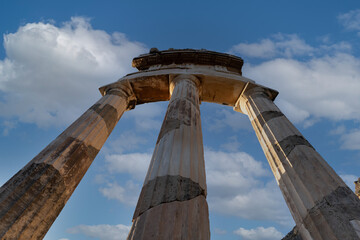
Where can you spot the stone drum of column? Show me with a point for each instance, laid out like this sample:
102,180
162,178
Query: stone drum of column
32,199
323,207
172,203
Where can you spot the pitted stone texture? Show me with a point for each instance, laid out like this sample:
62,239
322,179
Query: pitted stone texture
357,187
288,144
186,56
293,235
176,220
172,202
22,211
33,198
179,148
304,177
166,189
336,209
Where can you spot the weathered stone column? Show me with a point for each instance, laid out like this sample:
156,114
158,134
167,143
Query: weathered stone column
323,207
33,198
172,203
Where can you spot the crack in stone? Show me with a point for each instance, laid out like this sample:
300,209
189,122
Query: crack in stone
289,143
167,189
264,117
336,209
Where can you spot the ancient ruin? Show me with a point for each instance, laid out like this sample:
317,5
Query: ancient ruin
172,203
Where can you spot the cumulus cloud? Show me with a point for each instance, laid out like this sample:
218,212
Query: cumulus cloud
227,118
259,233
148,116
322,87
351,140
103,231
350,20
236,187
349,180
126,142
51,73
235,181
325,84
286,45
127,194
135,164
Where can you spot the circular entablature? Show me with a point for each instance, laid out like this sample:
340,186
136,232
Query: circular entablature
188,56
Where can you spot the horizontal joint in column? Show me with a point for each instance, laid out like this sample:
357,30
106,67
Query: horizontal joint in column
289,143
108,113
264,117
165,189
340,208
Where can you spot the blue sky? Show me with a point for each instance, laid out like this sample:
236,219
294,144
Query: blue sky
55,55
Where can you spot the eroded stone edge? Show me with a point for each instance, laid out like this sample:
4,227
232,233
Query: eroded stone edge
165,189
289,143
336,209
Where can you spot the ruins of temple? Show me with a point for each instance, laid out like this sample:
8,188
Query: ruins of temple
172,203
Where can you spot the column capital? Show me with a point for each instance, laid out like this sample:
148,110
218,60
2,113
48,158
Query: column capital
251,90
174,79
123,89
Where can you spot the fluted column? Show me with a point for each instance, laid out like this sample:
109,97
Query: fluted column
323,207
33,198
172,203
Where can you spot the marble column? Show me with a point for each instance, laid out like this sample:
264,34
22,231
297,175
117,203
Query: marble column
33,198
172,202
357,187
323,207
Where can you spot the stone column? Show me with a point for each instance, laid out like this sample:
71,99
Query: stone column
323,207
357,187
172,202
33,198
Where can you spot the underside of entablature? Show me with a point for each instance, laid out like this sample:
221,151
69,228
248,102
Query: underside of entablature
217,84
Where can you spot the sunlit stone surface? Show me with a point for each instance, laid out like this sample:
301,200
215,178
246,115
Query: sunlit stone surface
322,205
33,198
172,203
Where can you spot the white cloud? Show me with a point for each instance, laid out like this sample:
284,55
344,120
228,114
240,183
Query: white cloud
322,87
351,140
8,125
338,131
103,231
236,187
235,181
286,45
350,20
51,74
224,118
231,145
219,231
135,164
148,116
259,233
127,141
127,194
349,180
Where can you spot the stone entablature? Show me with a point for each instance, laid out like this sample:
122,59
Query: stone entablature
188,56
